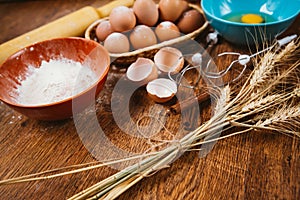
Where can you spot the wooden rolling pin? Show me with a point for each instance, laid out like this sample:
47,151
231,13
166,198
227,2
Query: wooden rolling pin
73,24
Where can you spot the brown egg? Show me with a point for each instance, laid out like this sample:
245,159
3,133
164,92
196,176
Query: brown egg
122,19
190,21
146,12
167,30
142,36
117,43
103,30
171,10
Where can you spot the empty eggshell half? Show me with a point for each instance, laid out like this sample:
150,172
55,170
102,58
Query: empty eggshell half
142,71
161,90
169,59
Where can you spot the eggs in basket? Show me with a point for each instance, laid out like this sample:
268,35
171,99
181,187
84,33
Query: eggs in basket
129,33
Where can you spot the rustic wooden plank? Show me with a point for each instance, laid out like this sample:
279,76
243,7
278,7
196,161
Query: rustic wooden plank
256,165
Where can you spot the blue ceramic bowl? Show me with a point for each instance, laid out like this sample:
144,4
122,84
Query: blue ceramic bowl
278,14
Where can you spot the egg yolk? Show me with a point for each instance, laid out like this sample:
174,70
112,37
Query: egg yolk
252,19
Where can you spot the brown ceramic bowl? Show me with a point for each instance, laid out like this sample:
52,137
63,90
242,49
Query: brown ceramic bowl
13,71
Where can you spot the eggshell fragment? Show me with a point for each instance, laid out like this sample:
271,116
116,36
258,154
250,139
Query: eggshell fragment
122,19
117,43
161,90
142,71
190,21
167,30
146,12
142,36
169,59
103,30
171,10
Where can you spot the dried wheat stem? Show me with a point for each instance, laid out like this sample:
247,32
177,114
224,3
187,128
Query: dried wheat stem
163,162
256,127
139,170
286,53
259,103
263,70
43,176
282,115
191,147
243,99
110,182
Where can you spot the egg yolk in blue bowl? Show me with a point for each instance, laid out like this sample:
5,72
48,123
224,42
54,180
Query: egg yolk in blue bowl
245,22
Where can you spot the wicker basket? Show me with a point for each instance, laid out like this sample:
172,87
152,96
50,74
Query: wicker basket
147,52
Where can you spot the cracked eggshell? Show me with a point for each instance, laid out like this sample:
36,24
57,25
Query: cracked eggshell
161,90
142,71
169,59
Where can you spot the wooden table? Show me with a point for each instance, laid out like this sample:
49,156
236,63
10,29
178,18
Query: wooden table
256,165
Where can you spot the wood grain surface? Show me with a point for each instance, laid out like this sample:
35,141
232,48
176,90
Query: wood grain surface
256,165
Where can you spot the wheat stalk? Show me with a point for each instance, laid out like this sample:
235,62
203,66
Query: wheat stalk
257,104
264,70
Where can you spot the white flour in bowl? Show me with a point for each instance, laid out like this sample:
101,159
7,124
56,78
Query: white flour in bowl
54,81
